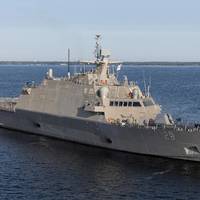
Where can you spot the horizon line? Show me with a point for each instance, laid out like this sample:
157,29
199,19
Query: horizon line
123,62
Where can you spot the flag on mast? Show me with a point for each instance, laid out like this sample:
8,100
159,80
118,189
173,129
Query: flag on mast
119,67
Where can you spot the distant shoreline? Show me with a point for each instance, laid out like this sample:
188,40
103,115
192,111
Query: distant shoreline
77,63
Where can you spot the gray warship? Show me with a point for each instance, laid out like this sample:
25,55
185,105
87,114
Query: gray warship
94,108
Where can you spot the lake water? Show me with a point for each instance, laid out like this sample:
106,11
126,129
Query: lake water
35,167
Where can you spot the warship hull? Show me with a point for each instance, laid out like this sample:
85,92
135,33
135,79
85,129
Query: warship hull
165,142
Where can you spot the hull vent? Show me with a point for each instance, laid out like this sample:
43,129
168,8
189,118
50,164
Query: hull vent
38,125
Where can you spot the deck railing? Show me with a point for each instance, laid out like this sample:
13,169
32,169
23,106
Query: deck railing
8,104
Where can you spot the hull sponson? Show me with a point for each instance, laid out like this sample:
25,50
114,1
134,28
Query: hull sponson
158,142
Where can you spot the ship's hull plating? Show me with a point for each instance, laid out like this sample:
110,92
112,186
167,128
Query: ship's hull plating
158,142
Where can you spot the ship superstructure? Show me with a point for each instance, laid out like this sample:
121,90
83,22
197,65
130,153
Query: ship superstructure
118,102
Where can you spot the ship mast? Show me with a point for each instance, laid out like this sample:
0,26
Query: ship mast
68,63
98,48
102,61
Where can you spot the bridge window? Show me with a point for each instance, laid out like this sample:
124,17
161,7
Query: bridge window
148,102
129,104
136,104
125,103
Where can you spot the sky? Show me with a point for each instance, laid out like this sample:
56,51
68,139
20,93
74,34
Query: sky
133,30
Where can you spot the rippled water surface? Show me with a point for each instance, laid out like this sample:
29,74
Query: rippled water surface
34,167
